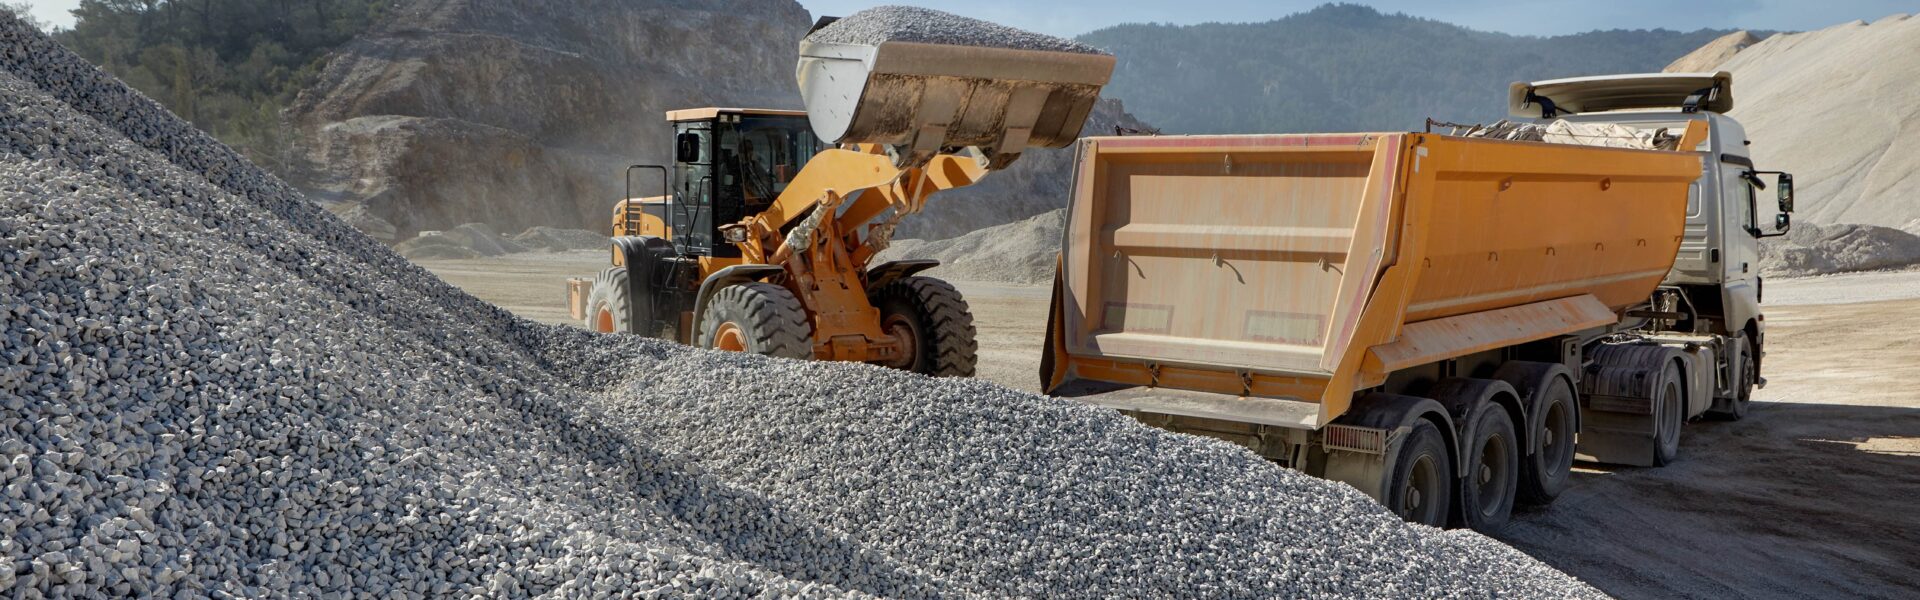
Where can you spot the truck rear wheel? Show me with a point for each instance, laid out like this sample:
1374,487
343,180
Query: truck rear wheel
1492,473
1544,474
757,318
933,324
1669,414
607,303
1421,490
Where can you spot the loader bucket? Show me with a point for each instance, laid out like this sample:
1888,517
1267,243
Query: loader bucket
923,99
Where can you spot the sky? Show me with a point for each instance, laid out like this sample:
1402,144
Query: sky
1528,17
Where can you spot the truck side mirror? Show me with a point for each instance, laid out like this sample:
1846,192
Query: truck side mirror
1786,194
1782,223
686,148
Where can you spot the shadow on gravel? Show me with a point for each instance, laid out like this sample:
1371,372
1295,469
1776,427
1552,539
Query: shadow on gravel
1795,500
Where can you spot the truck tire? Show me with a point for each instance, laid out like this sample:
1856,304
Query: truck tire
1492,469
1669,415
757,318
1735,408
1544,474
607,302
934,324
1421,488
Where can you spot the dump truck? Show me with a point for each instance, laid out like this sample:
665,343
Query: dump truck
1444,322
762,235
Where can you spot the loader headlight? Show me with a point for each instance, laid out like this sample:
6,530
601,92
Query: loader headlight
734,234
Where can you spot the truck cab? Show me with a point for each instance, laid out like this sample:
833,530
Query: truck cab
1717,268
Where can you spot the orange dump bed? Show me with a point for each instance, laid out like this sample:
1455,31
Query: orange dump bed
1276,274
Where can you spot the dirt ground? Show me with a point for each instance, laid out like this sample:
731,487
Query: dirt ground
1815,494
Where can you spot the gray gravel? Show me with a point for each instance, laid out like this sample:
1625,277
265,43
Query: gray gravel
213,388
923,25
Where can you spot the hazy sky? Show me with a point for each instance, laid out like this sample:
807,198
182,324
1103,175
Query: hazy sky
1533,17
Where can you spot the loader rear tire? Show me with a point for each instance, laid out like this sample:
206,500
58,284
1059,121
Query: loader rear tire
607,303
757,318
934,324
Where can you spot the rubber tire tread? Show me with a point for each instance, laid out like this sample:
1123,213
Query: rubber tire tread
771,318
609,288
945,320
1489,418
1540,491
1424,436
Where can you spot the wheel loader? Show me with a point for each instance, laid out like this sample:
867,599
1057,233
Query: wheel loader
763,235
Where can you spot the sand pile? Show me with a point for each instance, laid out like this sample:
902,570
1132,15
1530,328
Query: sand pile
1708,58
219,389
480,240
1023,252
1837,108
1810,249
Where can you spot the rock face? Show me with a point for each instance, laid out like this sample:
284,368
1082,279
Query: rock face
1035,184
1837,108
525,112
1709,57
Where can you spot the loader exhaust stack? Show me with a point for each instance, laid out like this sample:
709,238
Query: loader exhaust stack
923,82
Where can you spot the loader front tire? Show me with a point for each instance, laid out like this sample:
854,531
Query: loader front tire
757,318
934,324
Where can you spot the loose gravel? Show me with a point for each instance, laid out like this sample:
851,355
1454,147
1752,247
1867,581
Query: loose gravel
213,388
881,24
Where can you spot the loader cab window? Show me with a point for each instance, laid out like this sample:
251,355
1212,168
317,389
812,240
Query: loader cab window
742,164
762,154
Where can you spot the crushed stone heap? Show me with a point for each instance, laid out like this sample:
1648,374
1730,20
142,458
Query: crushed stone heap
881,24
214,388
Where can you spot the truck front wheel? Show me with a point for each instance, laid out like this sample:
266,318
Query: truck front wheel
1421,490
1744,377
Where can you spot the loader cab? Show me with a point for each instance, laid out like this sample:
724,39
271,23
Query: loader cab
728,164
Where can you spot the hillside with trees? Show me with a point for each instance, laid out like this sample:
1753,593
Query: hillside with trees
1344,67
229,66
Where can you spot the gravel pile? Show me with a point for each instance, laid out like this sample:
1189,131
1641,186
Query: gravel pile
880,24
214,388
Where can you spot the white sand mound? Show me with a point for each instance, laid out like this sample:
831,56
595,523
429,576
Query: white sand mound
1819,249
1840,109
1709,57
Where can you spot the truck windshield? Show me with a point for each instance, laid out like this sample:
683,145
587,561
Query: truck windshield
765,153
